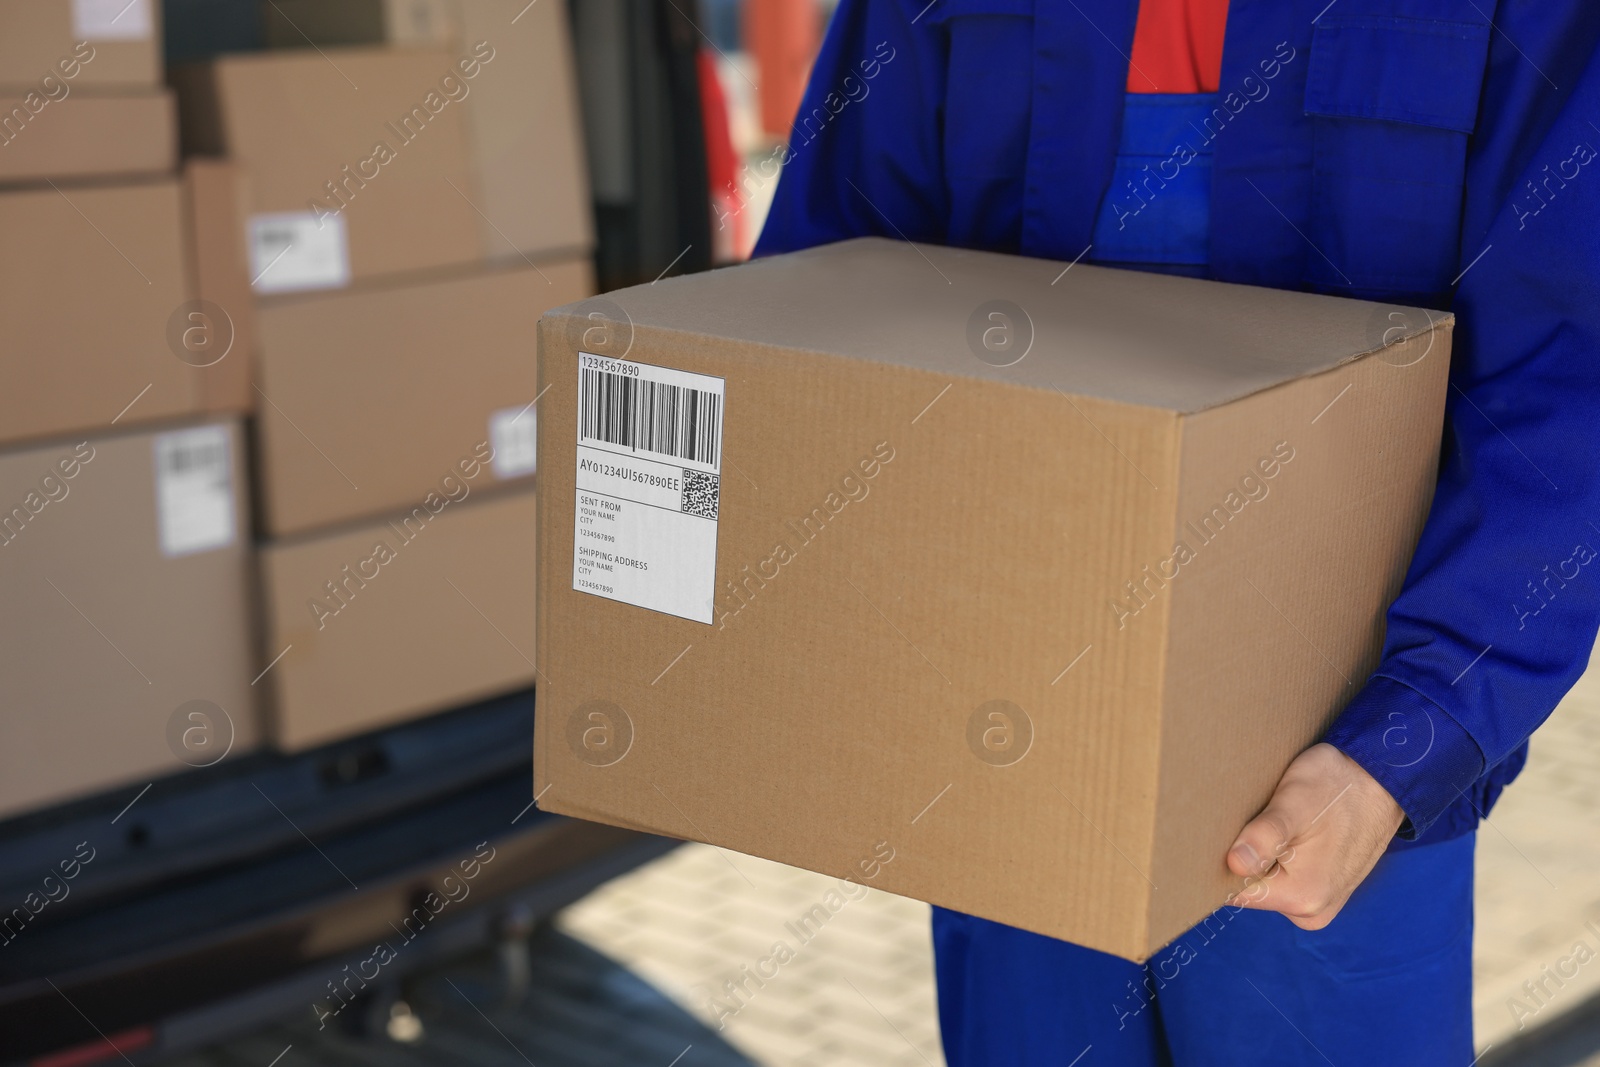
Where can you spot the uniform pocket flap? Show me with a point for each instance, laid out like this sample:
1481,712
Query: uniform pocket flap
1427,72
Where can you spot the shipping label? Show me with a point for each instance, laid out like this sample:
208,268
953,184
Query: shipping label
111,20
295,250
194,490
649,485
514,433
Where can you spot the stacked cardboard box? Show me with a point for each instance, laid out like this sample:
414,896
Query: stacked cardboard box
80,89
396,449
127,646
122,304
395,378
524,130
126,643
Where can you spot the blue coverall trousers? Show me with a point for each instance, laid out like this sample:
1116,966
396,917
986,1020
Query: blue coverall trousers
1245,986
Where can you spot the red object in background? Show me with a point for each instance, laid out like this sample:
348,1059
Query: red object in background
722,165
784,36
1177,46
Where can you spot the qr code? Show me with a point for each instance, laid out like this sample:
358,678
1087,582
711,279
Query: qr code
700,492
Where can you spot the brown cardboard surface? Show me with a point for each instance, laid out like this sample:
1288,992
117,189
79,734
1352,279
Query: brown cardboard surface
220,334
296,120
442,617
89,282
356,22
104,637
368,399
1274,583
527,137
88,135
1100,336
41,34
524,126
842,696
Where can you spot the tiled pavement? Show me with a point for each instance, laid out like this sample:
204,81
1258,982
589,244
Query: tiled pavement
1539,879
698,922
861,991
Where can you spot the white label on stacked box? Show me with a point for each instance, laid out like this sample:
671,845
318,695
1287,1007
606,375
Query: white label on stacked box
111,20
414,22
194,490
295,250
514,433
649,484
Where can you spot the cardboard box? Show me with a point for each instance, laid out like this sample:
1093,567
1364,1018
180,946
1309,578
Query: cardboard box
369,398
98,295
127,645
356,22
84,43
523,118
356,159
90,278
117,135
219,334
427,610
526,130
1047,632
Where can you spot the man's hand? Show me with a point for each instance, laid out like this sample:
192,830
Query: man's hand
1321,834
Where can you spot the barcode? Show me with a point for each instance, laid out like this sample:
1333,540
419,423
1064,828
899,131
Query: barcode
673,420
275,237
181,459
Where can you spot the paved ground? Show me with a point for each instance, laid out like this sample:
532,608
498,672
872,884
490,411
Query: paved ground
698,922
1539,881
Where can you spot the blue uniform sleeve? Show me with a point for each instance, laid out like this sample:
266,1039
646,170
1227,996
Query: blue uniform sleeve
1499,609
864,156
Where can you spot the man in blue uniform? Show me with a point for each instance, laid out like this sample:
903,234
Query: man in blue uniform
1435,153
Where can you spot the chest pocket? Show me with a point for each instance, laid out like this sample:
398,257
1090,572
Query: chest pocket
1392,103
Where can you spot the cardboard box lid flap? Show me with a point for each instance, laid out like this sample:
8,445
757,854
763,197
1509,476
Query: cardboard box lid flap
1153,340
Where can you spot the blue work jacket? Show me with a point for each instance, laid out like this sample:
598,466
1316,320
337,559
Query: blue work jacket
1437,153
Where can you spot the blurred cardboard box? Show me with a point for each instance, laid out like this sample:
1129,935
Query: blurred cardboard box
127,645
356,159
101,305
369,397
356,22
378,623
523,118
216,334
108,135
87,43
1034,580
90,278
